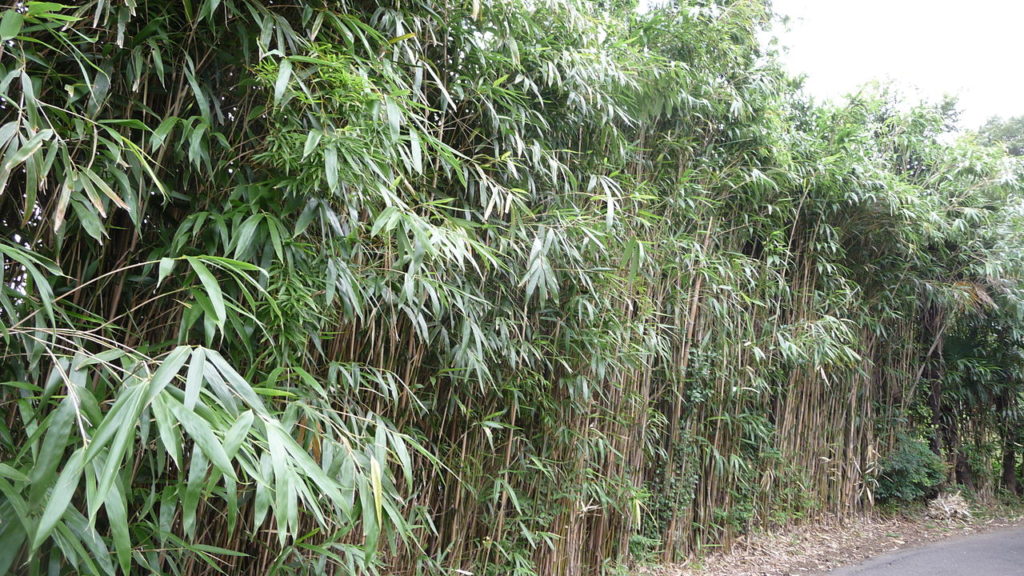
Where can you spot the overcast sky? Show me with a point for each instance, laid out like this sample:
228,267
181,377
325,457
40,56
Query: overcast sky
973,49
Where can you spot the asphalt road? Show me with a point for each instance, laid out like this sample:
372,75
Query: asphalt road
995,554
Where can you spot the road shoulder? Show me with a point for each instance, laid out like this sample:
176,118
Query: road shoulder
819,548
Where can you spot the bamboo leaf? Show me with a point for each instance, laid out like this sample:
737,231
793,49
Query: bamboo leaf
123,423
194,379
11,473
212,287
236,435
201,433
10,25
238,384
117,516
378,489
106,189
165,268
60,497
331,167
169,436
192,491
29,148
312,141
394,117
51,451
403,456
284,75
162,132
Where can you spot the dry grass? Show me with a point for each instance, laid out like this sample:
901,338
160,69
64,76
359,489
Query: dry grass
827,545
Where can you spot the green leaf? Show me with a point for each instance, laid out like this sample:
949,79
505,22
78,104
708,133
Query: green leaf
7,471
106,189
10,25
213,291
236,435
239,384
165,269
28,149
312,141
88,218
162,131
394,117
331,167
107,357
284,75
402,38
117,515
125,423
40,284
165,426
192,491
378,489
201,433
51,452
49,11
217,550
12,537
197,91
60,497
194,379
245,234
416,151
403,456
169,368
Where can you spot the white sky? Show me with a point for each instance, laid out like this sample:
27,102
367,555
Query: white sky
973,49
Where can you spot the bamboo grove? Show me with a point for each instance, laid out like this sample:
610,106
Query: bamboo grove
494,287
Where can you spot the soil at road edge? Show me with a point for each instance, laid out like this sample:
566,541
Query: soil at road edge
817,549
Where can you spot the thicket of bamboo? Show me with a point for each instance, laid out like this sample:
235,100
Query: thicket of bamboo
503,286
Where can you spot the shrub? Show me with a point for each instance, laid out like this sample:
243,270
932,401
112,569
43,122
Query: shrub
912,471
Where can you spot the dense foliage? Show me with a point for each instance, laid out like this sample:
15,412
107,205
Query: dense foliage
1004,132
500,287
909,472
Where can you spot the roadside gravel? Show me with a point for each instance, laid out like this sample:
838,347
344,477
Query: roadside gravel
819,548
